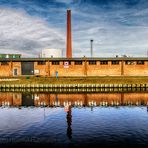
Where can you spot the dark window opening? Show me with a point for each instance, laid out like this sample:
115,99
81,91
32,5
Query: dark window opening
115,62
41,63
129,62
55,63
78,62
4,63
103,62
140,62
92,62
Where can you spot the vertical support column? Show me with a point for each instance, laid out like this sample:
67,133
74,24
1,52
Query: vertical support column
20,69
69,37
85,68
85,100
48,64
45,72
122,98
122,68
11,68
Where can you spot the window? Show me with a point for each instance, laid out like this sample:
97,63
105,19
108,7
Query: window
129,62
78,62
92,62
15,72
115,62
55,63
103,62
41,63
4,63
140,62
68,62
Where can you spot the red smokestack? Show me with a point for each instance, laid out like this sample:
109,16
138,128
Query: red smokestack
69,43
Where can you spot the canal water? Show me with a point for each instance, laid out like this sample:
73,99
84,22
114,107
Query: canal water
74,119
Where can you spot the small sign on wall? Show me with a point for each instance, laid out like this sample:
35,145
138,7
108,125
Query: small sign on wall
36,71
66,64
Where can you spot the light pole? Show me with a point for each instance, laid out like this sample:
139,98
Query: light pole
91,47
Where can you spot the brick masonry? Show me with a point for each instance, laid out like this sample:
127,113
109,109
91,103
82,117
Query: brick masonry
78,70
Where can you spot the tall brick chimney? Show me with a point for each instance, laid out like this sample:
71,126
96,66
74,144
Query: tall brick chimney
69,37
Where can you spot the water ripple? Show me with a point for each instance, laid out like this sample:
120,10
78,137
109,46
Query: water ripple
112,125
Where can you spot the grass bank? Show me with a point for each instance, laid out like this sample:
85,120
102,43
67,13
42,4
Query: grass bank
79,80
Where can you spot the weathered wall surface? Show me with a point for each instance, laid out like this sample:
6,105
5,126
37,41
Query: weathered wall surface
5,70
136,70
103,70
73,70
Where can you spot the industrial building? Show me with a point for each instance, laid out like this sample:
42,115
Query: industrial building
73,66
52,62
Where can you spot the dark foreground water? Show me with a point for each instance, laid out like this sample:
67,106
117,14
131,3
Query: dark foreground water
74,119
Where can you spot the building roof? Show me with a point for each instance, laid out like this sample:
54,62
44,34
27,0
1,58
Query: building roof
78,59
10,54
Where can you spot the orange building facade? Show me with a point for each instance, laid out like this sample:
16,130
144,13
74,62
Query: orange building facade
74,67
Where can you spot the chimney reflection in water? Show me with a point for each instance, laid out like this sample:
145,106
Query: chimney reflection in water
69,121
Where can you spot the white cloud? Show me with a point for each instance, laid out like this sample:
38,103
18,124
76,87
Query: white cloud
21,33
110,32
131,41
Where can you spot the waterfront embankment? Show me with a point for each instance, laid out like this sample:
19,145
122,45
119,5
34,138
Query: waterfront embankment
75,82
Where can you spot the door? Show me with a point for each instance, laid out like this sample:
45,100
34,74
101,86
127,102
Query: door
27,68
15,72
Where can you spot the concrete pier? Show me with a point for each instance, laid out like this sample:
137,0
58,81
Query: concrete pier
74,87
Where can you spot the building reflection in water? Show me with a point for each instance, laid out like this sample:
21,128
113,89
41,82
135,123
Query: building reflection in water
27,100
9,99
78,100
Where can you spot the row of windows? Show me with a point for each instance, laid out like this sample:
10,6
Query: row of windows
80,63
4,63
132,62
41,63
101,62
58,63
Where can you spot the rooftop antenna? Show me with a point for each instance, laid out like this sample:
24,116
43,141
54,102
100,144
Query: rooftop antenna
91,47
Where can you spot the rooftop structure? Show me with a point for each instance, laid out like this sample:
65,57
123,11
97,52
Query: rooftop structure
48,53
13,56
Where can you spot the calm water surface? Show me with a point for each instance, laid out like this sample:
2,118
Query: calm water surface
74,118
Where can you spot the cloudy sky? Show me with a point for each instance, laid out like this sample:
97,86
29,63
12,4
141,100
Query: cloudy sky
118,27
